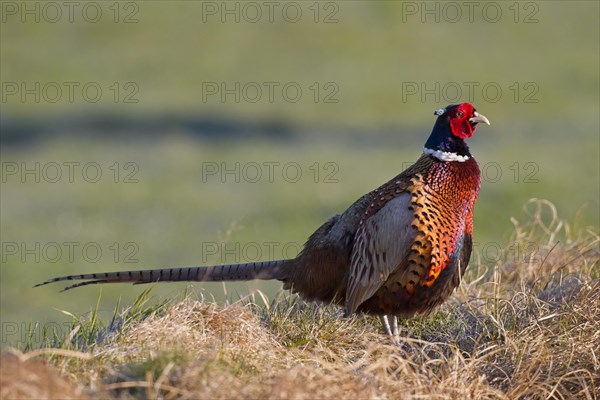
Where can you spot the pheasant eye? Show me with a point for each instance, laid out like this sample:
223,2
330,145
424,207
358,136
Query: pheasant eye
459,114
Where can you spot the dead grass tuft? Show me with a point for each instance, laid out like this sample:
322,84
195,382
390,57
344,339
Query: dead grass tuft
24,378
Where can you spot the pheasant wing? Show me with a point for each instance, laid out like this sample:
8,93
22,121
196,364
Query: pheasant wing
382,243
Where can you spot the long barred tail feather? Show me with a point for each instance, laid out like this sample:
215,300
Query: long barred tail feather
265,270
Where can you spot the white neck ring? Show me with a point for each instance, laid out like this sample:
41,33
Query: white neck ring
445,155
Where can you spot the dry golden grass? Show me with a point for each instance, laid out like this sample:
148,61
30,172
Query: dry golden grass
24,378
528,327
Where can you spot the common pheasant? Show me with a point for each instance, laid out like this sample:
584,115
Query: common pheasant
399,250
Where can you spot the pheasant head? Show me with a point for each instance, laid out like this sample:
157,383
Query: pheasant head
454,124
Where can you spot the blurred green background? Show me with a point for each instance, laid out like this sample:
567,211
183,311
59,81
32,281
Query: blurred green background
154,108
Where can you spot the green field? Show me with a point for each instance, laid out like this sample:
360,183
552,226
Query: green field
543,141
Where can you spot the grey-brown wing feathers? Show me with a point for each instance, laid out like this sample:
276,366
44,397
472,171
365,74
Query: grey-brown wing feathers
231,272
382,243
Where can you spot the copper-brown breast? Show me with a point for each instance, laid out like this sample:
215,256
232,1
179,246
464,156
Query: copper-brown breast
441,202
442,199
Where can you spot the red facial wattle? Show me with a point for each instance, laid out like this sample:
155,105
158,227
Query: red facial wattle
461,128
459,121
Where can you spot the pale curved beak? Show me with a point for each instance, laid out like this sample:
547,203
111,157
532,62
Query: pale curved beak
479,118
